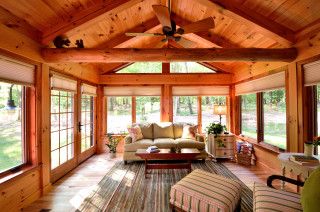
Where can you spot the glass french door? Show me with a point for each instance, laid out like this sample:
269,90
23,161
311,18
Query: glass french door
86,126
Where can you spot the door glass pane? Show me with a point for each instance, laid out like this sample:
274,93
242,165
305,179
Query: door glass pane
62,115
249,115
274,114
118,114
11,126
87,122
147,109
185,109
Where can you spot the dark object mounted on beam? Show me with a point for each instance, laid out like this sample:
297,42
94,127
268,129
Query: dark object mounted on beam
61,42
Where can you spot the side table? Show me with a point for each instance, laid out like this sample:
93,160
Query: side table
297,169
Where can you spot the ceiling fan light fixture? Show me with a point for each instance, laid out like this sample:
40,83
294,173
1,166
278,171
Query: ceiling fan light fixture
180,31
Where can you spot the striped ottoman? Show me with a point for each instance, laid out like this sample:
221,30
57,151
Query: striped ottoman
204,191
270,199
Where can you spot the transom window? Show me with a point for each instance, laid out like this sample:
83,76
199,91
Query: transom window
62,127
142,67
12,126
189,67
87,122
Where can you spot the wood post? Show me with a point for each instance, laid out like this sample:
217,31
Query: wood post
166,103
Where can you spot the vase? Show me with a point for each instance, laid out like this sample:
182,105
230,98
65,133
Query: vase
308,149
112,155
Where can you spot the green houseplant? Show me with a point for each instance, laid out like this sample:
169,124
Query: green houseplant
112,144
215,128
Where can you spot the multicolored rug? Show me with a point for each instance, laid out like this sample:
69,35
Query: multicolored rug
124,188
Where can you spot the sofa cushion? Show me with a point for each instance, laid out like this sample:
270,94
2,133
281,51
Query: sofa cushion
189,131
147,130
163,130
177,130
164,143
189,143
135,133
140,144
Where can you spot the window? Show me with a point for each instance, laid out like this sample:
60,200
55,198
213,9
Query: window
142,67
249,115
12,125
185,109
274,116
62,127
87,119
119,114
147,109
318,112
207,104
189,67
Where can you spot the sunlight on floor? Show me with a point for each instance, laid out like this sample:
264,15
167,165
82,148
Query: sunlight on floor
78,198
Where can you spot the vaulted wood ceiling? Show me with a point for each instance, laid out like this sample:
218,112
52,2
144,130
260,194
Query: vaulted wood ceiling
102,23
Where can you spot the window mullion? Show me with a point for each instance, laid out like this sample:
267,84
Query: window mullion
260,119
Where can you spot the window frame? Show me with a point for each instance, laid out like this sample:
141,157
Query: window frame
91,124
260,123
27,120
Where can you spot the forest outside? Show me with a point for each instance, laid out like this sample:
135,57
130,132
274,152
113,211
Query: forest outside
274,116
11,141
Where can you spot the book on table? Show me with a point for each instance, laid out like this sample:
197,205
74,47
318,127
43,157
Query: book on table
304,160
153,149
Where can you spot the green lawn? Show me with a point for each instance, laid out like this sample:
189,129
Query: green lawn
10,145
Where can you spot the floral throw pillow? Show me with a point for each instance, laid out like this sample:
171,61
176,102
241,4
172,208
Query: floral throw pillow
189,131
135,133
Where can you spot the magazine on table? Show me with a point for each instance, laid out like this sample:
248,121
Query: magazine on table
153,149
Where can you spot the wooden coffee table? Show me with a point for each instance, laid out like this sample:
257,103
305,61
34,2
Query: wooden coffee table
186,154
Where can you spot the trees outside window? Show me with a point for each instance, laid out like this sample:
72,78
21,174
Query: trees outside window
12,126
189,67
249,115
147,109
119,114
185,109
142,67
274,116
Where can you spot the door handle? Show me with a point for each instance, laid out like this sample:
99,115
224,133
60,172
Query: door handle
79,126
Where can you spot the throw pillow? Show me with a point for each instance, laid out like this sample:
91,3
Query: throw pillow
135,133
310,196
189,131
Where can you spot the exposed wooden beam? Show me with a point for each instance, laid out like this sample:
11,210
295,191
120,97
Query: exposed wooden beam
87,16
260,23
76,55
168,79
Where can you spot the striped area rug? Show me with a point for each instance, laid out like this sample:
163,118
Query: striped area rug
124,188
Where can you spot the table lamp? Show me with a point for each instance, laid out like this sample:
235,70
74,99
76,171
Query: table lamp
220,110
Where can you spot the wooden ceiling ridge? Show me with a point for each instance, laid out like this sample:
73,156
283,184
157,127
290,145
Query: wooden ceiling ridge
262,24
87,16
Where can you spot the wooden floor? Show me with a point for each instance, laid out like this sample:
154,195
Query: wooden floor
68,193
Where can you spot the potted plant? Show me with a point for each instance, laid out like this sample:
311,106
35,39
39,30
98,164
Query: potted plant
112,144
213,130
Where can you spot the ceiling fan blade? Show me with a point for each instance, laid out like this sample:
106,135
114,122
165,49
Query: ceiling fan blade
199,26
186,43
143,34
163,15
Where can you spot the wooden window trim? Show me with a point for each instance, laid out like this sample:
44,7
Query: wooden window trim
28,116
88,123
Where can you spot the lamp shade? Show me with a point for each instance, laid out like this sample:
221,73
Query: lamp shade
220,109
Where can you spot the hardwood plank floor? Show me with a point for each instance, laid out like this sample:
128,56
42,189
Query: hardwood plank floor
68,192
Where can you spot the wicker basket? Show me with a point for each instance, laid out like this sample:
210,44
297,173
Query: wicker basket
244,159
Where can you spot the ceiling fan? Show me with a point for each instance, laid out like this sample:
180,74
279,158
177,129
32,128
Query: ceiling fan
169,27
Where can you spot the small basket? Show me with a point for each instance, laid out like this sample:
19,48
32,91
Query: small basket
244,159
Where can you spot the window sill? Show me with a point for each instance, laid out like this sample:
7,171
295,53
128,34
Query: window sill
263,145
7,177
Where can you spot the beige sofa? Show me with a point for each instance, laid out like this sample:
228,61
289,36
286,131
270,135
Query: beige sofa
162,135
